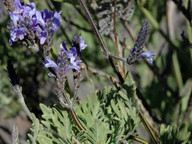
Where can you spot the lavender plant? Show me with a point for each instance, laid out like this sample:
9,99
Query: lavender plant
34,28
111,115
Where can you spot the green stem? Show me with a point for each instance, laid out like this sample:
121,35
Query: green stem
148,128
138,139
21,100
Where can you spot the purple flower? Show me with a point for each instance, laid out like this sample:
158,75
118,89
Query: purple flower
47,14
148,55
72,56
39,19
50,63
79,44
56,21
43,37
14,17
17,33
17,4
42,23
68,59
137,51
29,10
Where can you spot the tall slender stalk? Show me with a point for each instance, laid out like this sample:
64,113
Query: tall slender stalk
89,17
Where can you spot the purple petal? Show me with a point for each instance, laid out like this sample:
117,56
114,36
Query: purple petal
148,55
39,18
64,47
47,14
43,37
38,29
18,34
50,63
10,42
17,4
132,50
57,22
75,65
29,10
14,17
82,44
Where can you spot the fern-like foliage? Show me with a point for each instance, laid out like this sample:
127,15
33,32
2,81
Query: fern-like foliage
57,120
94,120
108,116
121,109
38,135
174,135
52,130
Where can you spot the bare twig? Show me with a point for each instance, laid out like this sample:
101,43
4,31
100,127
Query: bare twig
170,23
123,54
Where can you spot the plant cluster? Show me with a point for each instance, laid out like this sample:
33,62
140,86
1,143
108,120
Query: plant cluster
115,113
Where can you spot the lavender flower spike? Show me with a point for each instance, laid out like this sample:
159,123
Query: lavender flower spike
148,55
28,23
68,59
137,50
